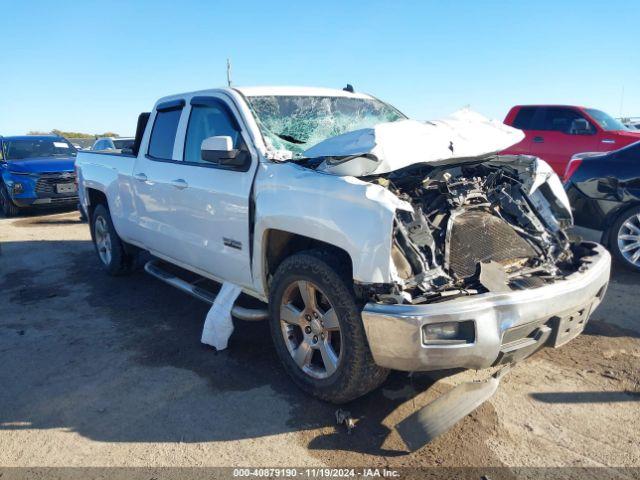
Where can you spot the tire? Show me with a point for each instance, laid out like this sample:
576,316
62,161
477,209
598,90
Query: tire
340,366
625,234
111,250
8,207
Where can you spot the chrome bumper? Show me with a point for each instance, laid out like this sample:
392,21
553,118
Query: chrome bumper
508,326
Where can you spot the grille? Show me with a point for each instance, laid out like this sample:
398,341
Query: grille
46,184
478,236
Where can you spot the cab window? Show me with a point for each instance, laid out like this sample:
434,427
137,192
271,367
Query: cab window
524,118
165,126
559,120
209,120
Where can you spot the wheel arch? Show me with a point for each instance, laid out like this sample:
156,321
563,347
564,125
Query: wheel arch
95,197
277,245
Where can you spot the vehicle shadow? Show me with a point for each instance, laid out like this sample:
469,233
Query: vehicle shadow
120,360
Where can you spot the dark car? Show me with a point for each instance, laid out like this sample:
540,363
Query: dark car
604,190
36,171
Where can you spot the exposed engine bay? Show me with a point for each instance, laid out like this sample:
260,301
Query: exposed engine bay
490,224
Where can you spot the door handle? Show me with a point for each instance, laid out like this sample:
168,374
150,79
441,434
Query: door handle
538,140
179,183
606,140
141,177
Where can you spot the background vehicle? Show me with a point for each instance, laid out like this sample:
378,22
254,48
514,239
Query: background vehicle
604,190
356,226
632,123
111,143
557,132
37,171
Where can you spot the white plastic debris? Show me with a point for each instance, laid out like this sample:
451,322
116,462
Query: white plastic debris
344,416
218,326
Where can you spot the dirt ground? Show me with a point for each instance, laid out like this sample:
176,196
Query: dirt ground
101,371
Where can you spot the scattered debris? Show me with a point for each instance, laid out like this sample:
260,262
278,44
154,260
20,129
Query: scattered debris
344,416
218,325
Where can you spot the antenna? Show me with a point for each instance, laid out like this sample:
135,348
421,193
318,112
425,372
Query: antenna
228,72
621,100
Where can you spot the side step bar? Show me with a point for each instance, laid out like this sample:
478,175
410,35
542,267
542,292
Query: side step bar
251,314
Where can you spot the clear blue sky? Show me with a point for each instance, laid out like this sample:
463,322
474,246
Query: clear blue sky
93,66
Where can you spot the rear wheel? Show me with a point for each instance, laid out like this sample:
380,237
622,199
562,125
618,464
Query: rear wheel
317,329
624,238
111,250
8,207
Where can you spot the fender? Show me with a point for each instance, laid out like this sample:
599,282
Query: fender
348,213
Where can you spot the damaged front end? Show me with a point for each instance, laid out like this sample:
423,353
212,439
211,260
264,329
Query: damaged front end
494,224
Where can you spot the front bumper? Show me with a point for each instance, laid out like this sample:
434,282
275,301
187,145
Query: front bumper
508,326
41,189
61,201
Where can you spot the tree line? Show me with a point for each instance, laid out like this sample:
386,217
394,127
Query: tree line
61,133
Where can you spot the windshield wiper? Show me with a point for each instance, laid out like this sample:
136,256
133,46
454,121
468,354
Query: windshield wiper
289,138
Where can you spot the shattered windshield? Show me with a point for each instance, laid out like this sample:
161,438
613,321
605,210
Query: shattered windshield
297,123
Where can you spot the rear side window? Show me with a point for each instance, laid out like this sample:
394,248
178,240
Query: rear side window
524,118
163,135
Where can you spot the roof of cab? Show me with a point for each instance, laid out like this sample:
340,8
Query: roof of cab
298,92
30,137
549,105
273,91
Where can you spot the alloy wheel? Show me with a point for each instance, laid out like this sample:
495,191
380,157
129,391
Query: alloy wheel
103,240
629,240
310,329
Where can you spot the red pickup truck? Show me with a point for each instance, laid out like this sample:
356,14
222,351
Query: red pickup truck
557,132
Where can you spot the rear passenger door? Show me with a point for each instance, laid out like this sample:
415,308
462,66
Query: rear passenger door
153,175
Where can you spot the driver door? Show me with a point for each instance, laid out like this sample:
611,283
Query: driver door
210,201
553,140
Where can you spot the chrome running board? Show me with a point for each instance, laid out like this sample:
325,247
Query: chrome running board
154,268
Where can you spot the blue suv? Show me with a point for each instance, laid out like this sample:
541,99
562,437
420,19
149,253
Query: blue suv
36,171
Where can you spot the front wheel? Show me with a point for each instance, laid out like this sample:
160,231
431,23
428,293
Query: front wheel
317,329
624,238
8,207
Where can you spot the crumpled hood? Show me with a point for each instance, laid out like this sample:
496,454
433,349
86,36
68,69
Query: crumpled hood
42,165
394,145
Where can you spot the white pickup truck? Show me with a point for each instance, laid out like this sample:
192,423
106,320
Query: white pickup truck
375,242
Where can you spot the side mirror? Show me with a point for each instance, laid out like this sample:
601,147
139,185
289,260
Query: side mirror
220,150
580,126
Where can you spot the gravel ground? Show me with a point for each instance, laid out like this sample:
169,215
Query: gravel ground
101,371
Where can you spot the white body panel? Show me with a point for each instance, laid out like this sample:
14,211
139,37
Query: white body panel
200,217
395,145
188,225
